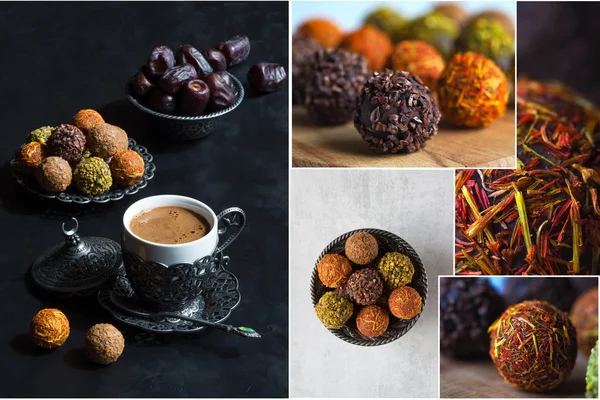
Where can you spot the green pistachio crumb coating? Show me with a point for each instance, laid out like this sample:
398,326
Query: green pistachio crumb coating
387,20
591,376
396,270
40,134
333,310
489,38
436,29
92,176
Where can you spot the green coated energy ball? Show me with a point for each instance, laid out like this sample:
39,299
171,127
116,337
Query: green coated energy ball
591,376
388,21
92,176
489,38
333,310
436,29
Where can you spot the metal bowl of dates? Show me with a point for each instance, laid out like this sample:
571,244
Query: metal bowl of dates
185,128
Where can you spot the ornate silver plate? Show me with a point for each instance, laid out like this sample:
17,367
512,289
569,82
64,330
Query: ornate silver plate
220,295
114,194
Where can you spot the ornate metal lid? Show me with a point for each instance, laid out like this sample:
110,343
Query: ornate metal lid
78,264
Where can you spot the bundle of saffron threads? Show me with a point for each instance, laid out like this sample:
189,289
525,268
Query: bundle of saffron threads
543,217
533,346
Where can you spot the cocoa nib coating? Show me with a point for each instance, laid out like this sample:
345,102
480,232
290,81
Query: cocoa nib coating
333,84
303,48
68,142
395,113
364,286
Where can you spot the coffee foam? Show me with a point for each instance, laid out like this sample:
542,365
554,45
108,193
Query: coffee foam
169,225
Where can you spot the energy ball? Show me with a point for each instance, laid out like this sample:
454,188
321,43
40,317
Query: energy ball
40,134
364,287
489,38
453,11
49,328
127,167
106,140
361,248
436,29
67,142
324,31
31,156
507,22
333,310
103,344
419,58
472,91
87,119
584,317
386,20
396,270
334,270
371,43
372,321
54,174
533,346
405,303
335,79
395,113
591,375
468,306
303,48
92,176
558,292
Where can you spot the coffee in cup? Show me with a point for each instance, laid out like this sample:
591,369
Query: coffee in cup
169,225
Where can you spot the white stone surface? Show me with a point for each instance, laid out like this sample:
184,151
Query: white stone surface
418,206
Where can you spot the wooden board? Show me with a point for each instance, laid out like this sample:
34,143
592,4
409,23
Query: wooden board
342,146
481,379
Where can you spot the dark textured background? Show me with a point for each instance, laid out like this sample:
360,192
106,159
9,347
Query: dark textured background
560,41
59,58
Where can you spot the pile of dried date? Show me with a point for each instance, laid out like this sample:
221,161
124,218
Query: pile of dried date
192,82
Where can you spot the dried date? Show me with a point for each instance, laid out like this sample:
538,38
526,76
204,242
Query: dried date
222,94
266,77
194,97
188,54
160,101
172,80
161,59
140,85
216,59
235,49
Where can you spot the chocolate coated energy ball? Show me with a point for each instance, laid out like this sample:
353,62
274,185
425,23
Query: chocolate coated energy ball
361,248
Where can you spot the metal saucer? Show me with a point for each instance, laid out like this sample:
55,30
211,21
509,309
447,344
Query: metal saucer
220,295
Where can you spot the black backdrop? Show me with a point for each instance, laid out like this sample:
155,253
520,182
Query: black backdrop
59,58
560,41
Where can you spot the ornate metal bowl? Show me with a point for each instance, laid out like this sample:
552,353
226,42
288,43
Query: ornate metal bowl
185,128
388,242
114,194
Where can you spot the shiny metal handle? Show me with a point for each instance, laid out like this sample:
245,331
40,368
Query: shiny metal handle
230,223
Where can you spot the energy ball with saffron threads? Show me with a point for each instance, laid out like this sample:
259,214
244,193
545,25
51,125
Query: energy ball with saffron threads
334,270
533,346
67,142
591,375
386,20
87,119
584,317
418,58
489,38
372,321
127,167
54,174
106,140
31,156
472,91
40,134
405,303
333,310
335,79
395,113
92,176
49,328
396,270
371,43
326,32
364,287
436,29
361,248
103,344
468,306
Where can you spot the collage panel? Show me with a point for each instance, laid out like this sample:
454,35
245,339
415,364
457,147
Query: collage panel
366,250
403,84
522,337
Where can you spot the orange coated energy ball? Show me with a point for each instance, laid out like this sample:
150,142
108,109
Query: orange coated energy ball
87,119
405,302
49,328
372,321
127,167
324,31
371,43
334,270
31,156
419,58
472,91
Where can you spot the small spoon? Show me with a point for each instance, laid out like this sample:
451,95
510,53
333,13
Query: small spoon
239,330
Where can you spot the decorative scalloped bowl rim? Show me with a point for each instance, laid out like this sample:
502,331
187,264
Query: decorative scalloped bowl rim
147,110
114,194
351,334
